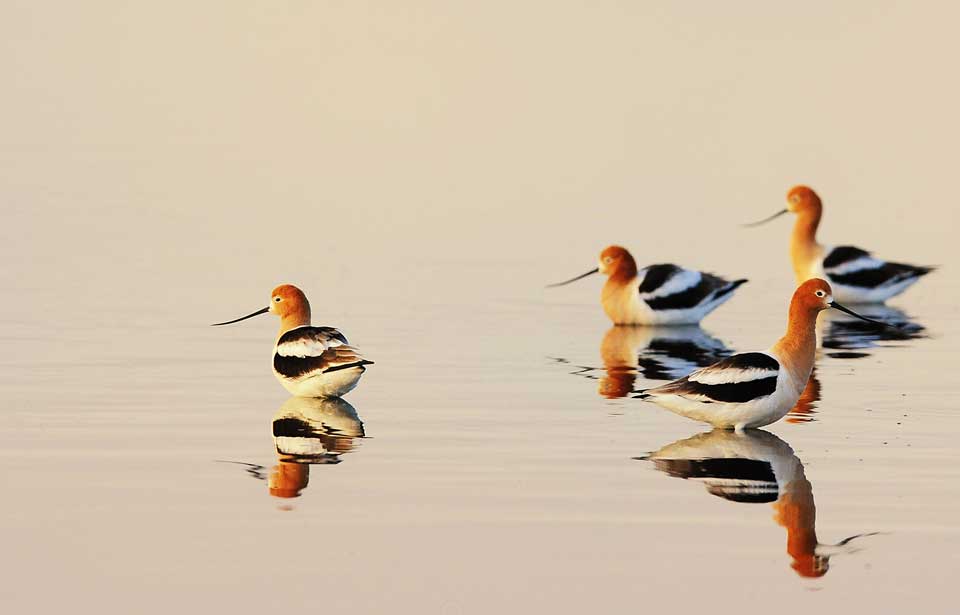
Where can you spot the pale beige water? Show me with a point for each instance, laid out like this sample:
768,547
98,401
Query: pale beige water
422,173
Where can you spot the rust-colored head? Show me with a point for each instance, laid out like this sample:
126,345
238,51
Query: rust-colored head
616,261
287,300
812,297
801,199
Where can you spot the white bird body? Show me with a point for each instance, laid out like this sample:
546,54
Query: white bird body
317,362
684,298
753,389
743,391
662,294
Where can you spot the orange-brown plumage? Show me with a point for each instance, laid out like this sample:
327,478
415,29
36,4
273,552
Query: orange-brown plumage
804,248
291,305
797,348
618,264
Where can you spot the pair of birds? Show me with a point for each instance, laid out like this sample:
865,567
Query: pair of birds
742,391
749,389
670,295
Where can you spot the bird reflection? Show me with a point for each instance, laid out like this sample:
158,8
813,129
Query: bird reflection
805,408
846,337
658,353
756,467
310,431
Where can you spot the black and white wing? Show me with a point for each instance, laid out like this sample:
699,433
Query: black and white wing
851,266
739,378
314,349
669,287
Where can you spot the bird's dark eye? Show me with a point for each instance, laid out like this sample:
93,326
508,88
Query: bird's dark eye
819,293
277,299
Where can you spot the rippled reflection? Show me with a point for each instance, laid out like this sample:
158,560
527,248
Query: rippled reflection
310,431
847,337
806,407
658,353
756,467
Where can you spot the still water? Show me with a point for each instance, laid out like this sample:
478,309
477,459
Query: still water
493,458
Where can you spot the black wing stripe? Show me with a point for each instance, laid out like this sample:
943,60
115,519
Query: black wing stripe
337,368
695,295
294,367
888,273
732,286
309,333
843,254
656,276
688,298
748,360
733,392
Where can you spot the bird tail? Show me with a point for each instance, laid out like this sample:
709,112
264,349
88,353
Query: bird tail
337,368
729,288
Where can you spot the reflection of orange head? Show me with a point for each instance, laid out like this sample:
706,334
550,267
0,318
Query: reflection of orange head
617,383
617,263
796,512
288,479
802,199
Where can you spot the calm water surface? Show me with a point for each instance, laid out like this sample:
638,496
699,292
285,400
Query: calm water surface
491,459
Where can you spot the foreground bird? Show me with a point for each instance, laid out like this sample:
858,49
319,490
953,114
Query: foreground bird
658,294
753,389
856,276
309,361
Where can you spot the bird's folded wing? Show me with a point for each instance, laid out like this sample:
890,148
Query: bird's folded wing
737,379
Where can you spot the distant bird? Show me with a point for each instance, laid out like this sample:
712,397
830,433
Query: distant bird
309,361
657,294
856,276
753,389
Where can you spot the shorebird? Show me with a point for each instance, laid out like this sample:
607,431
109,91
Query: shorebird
753,389
309,361
856,275
658,294
757,466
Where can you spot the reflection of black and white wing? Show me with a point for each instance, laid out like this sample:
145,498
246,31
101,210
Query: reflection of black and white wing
669,287
667,358
739,378
851,266
314,349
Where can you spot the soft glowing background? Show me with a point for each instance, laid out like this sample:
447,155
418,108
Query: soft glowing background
410,164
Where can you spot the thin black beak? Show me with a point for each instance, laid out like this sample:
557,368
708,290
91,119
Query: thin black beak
837,306
579,277
230,322
765,220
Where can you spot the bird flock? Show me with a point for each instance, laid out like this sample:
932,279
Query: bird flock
741,391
